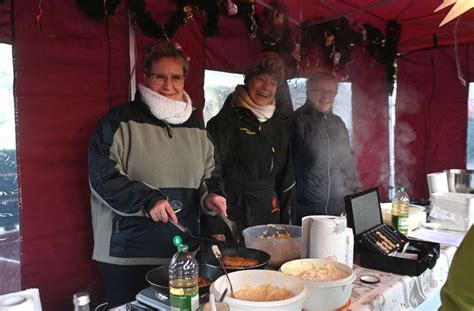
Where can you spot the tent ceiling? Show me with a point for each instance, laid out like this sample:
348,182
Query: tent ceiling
419,22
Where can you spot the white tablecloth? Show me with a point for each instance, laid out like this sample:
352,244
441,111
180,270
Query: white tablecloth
399,292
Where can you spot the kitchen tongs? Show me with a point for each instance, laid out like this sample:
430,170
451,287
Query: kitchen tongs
232,225
187,231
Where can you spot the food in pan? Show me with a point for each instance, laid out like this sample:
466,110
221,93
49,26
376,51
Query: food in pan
239,262
264,292
317,272
203,282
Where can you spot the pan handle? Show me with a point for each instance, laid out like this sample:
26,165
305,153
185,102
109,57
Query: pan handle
179,226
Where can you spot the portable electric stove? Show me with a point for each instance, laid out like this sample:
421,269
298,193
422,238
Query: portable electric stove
158,301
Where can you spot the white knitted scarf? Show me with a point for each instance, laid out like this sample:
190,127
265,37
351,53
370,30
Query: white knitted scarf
165,109
242,99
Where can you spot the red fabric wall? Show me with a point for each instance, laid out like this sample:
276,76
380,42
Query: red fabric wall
5,22
431,126
62,90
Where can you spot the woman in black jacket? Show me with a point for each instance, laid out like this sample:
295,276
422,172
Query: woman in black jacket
252,141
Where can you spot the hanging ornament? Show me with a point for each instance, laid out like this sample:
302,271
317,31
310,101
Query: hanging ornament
253,23
188,14
232,8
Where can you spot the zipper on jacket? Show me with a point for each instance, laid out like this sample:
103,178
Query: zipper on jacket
271,162
168,130
329,163
117,225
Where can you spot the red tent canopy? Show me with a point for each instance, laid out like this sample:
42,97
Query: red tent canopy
70,71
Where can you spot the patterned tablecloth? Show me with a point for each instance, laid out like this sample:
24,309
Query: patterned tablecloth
399,292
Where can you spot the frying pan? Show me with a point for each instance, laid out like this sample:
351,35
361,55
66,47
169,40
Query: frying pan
209,259
159,278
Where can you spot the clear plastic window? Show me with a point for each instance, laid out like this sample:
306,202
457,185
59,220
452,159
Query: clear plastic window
9,210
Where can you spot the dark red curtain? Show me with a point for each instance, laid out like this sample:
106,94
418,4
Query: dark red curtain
6,35
69,74
63,85
431,125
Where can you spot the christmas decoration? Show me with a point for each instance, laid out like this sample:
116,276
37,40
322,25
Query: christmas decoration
460,7
98,9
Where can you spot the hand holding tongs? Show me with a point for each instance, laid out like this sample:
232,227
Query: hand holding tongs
218,255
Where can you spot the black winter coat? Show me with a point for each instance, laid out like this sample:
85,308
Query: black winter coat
323,162
256,166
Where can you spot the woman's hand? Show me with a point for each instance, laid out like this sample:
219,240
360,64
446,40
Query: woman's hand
162,211
216,203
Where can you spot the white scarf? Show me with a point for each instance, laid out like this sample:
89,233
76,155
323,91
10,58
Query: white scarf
242,99
166,109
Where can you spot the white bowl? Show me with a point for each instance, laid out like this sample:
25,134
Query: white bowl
255,278
323,295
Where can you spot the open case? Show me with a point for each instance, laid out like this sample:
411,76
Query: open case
380,246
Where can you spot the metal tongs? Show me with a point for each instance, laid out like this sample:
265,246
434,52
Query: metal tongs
232,225
187,231
218,255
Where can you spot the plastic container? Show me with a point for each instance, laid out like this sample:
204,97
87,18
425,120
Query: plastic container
323,295
183,279
255,278
416,215
400,210
280,250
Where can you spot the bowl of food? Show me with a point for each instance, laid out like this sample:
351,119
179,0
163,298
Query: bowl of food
329,282
282,242
262,290
461,181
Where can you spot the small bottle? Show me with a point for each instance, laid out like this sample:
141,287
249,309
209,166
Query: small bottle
81,301
400,210
183,275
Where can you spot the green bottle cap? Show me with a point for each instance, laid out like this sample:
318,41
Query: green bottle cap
178,242
402,188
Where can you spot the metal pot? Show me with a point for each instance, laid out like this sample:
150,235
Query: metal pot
209,259
461,181
159,278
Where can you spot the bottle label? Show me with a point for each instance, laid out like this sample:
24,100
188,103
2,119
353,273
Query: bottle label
400,223
184,303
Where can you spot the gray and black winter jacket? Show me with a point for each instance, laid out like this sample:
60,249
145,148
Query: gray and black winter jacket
323,162
136,160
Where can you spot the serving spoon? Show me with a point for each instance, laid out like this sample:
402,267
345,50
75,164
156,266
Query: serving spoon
218,255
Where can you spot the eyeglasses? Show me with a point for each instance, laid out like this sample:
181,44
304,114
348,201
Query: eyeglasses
331,94
160,79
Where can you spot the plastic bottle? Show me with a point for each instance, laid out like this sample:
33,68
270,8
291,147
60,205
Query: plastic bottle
183,275
400,210
81,301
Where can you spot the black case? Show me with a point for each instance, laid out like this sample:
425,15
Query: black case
364,216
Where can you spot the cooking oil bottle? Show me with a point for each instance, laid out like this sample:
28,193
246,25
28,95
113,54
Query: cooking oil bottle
183,275
400,210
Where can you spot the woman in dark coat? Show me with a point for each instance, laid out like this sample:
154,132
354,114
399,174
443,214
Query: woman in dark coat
252,141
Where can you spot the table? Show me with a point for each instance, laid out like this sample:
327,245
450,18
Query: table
401,292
